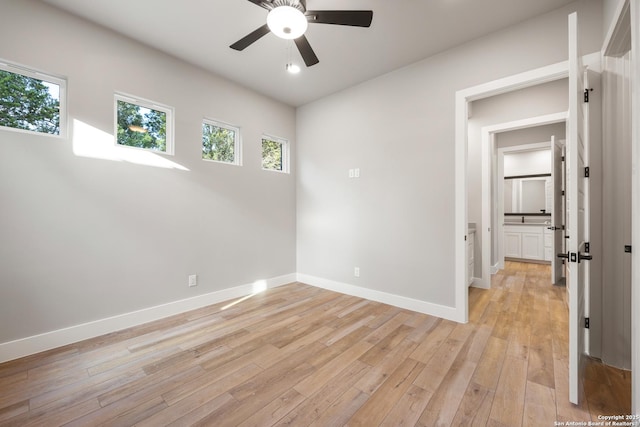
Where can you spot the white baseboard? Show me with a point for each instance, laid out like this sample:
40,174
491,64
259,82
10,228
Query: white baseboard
49,340
478,283
46,341
495,268
445,312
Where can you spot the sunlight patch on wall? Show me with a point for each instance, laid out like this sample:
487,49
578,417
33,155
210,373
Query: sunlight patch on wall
257,287
94,143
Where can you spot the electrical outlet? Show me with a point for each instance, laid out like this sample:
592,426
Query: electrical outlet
193,280
356,271
351,173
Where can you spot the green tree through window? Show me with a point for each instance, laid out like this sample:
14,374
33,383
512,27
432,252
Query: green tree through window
141,127
272,154
218,143
29,104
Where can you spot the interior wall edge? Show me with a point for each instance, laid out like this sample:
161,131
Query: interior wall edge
49,340
437,310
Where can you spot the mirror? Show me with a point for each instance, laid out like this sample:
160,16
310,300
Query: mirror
527,195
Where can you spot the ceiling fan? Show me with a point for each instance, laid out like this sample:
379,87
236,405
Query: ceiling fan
288,19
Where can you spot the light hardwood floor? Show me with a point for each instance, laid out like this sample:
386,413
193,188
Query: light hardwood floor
299,356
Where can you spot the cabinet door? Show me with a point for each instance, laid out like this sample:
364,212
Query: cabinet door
512,245
532,247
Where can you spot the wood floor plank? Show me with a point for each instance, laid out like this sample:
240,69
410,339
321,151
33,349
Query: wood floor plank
328,371
538,400
370,383
438,366
318,403
14,410
475,407
376,408
443,406
429,346
409,408
341,410
275,410
209,386
508,402
63,416
298,355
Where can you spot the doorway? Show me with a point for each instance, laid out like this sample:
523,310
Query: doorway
541,127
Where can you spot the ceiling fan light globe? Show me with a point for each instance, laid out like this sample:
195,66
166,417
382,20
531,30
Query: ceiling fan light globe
293,68
287,22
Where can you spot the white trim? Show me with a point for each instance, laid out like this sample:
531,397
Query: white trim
379,296
618,34
237,143
33,73
49,340
463,97
152,105
286,149
635,210
496,267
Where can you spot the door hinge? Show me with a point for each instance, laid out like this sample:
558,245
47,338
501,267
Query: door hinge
586,323
586,247
627,249
586,94
563,192
562,158
586,172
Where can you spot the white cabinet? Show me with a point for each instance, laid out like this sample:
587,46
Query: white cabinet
548,244
471,236
512,243
524,242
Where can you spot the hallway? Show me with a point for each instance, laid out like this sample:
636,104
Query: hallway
529,318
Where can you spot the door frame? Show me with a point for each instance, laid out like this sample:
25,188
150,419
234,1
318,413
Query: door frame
463,98
489,172
635,208
614,39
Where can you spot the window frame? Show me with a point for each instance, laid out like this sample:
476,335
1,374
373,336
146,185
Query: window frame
285,153
237,143
61,82
152,105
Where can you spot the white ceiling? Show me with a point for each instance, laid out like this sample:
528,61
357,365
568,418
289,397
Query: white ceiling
402,32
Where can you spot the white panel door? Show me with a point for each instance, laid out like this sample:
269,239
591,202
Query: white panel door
578,212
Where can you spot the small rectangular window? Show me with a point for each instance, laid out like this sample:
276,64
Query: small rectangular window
220,142
31,101
275,154
143,124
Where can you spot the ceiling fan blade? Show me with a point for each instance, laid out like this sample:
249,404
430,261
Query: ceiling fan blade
262,3
353,18
306,51
247,40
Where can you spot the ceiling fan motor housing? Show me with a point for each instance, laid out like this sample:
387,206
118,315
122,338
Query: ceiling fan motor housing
301,5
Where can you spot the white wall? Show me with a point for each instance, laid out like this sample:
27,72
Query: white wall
531,135
608,13
616,289
396,222
84,238
527,163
